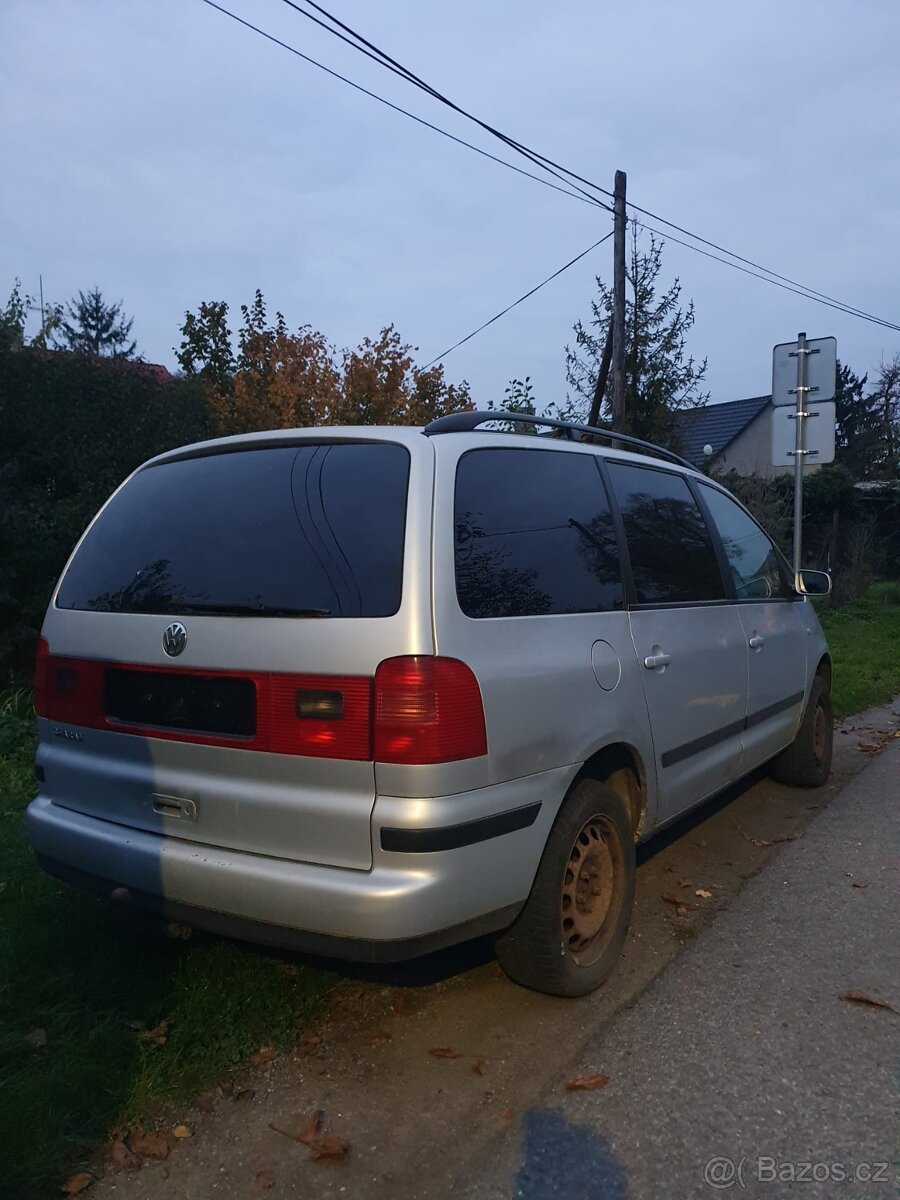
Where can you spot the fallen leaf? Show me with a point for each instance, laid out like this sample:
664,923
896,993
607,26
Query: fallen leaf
149,1145
379,1038
311,1130
869,747
182,1131
265,1055
703,894
479,1066
678,901
668,867
682,883
307,1043
444,1052
401,1003
157,1034
122,1158
264,1179
586,1083
506,1114
329,1147
860,883
244,1094
857,997
36,1038
77,1183
767,841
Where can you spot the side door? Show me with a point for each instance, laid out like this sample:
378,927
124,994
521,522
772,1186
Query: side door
772,624
528,592
690,643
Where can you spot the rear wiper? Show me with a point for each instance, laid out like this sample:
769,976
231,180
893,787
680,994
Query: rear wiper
249,610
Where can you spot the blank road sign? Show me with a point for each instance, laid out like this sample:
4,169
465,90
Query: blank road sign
818,435
820,371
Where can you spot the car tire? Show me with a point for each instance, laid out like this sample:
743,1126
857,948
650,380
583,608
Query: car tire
807,761
568,937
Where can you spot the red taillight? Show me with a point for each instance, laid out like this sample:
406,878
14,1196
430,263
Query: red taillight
68,689
322,716
41,671
424,709
427,710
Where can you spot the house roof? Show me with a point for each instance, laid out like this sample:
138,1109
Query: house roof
715,425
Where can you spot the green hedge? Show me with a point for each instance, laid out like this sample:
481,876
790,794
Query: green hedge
72,428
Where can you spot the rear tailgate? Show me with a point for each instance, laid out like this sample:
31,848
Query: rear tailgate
290,570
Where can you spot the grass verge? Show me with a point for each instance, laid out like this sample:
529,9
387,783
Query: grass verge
75,976
865,648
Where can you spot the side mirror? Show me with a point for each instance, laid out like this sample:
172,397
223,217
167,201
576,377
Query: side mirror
813,583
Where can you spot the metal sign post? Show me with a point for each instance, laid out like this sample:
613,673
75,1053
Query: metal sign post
800,416
816,380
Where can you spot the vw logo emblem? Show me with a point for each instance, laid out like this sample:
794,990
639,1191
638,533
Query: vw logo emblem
174,639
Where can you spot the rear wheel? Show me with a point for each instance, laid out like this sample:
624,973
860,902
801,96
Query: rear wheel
807,761
569,935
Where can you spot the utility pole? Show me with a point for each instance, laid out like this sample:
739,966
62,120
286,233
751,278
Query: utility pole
618,317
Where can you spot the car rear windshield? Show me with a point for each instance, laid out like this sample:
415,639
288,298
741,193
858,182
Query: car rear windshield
311,531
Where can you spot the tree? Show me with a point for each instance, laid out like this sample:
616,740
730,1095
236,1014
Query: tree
14,315
660,377
279,379
855,431
886,413
95,327
12,319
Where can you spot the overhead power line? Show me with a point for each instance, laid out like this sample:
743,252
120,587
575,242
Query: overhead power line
356,40
403,111
370,50
515,303
776,282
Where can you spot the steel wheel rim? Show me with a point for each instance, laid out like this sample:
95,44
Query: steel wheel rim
590,881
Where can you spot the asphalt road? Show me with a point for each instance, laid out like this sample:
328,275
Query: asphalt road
743,1069
721,1031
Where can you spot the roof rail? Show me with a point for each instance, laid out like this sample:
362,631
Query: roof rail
465,422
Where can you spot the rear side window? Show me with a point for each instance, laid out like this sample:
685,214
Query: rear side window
672,556
534,535
754,562
314,530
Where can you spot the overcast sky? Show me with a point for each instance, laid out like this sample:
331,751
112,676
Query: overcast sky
158,149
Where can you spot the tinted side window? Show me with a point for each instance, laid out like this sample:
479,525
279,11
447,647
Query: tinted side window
754,562
315,529
672,556
534,535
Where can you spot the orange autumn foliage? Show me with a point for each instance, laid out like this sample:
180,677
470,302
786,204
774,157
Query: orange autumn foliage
278,379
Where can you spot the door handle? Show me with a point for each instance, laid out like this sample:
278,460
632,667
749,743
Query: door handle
757,642
652,661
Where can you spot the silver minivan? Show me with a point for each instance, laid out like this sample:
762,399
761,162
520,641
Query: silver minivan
372,691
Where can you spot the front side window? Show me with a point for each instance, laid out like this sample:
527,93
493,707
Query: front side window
309,530
534,535
672,555
752,558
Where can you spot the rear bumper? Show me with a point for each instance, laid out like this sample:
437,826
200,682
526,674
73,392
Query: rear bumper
408,903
